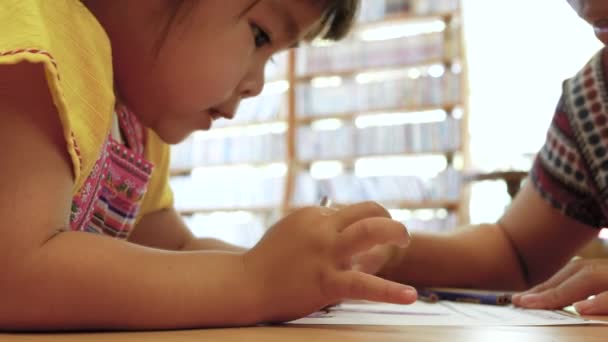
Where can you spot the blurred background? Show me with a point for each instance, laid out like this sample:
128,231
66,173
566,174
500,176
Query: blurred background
434,108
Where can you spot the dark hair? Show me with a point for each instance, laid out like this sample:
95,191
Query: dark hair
337,20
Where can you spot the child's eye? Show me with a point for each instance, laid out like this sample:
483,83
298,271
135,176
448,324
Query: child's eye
260,37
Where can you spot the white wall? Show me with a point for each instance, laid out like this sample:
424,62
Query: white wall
519,52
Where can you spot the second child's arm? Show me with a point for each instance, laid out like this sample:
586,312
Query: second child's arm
526,246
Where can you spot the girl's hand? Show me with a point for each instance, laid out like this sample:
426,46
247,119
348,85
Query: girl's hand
376,259
303,263
573,284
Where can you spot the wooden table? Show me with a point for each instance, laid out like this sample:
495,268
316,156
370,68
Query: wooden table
591,333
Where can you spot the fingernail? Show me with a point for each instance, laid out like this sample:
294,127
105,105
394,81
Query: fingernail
583,307
530,300
409,292
516,297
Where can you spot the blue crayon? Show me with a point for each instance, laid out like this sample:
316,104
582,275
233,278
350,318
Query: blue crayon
434,294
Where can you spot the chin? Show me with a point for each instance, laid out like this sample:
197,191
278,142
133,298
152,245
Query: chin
172,137
174,134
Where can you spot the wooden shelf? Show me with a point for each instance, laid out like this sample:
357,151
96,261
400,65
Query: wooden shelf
246,124
275,79
403,17
353,72
412,205
180,172
190,212
425,204
353,159
351,115
187,170
406,205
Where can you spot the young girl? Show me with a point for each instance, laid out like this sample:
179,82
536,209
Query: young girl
555,214
91,93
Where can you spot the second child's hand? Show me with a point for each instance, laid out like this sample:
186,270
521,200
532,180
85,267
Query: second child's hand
303,263
572,285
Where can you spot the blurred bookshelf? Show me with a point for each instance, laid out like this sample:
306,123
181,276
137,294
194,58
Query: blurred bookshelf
381,115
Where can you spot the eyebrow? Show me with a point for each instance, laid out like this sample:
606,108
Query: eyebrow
291,25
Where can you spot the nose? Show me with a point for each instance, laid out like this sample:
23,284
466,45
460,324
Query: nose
253,83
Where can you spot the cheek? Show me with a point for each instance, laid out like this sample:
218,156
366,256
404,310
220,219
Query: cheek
195,88
200,78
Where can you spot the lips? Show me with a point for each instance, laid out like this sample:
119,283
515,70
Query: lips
601,30
216,114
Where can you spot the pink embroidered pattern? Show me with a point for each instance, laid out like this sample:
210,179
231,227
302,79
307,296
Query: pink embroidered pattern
110,199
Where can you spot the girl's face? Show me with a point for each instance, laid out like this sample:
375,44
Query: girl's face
595,12
179,67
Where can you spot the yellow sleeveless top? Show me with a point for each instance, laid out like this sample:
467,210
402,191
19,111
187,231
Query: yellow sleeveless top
75,51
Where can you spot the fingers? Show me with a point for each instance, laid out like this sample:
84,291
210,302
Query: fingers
558,278
586,282
597,305
356,212
367,233
357,285
373,260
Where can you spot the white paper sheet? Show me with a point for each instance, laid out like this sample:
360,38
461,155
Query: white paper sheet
442,313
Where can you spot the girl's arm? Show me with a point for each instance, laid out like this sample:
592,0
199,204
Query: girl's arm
75,280
165,229
79,280
83,281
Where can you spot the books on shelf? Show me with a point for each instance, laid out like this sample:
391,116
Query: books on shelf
210,149
425,7
398,43
376,10
271,105
276,68
392,192
228,189
358,55
246,229
348,188
260,109
433,86
410,138
241,229
349,141
326,144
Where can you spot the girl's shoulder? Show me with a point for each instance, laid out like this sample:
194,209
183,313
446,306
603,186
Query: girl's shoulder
64,37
